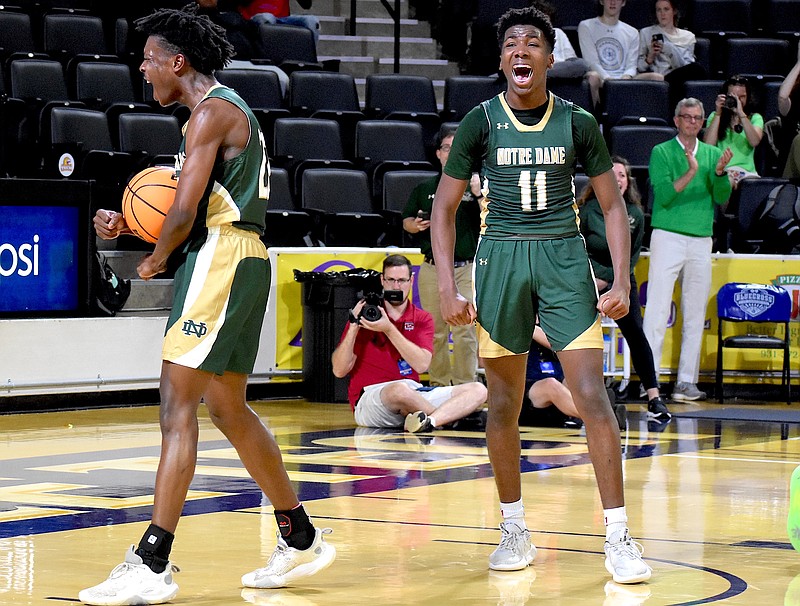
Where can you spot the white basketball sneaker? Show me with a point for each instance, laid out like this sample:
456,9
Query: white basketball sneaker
288,564
132,582
624,559
515,551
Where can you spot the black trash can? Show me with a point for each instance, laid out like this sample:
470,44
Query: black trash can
328,298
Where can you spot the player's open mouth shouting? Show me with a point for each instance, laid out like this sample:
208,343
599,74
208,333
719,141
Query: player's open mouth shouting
522,73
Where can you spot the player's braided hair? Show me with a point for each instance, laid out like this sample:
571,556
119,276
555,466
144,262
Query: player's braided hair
526,16
184,31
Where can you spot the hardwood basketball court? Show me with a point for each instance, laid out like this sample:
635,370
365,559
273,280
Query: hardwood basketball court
414,518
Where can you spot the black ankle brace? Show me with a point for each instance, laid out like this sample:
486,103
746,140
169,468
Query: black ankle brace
295,527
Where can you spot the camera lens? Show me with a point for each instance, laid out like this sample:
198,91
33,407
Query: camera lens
370,313
730,102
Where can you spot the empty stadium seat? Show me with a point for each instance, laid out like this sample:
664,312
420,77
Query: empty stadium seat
299,146
403,97
635,143
84,134
758,57
261,90
328,95
342,200
156,135
397,187
636,102
286,225
384,145
289,47
462,93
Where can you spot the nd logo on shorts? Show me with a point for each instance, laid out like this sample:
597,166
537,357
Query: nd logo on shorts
198,329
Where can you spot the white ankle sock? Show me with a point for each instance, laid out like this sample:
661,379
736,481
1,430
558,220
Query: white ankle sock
514,512
616,521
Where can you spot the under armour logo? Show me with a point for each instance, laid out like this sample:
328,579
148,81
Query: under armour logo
483,261
502,125
190,327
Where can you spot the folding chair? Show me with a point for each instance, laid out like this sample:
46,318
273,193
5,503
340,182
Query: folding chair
754,304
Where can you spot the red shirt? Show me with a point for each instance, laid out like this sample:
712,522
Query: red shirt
279,8
377,359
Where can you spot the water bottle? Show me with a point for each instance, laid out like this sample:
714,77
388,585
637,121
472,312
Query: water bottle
606,352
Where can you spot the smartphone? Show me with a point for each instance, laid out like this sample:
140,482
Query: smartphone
658,38
425,216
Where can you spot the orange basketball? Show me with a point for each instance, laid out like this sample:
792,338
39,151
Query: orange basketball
146,200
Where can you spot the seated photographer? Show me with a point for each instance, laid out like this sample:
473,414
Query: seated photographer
734,124
384,348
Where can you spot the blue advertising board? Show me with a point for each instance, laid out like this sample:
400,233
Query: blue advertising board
44,247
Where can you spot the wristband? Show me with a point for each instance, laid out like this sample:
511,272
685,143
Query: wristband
352,318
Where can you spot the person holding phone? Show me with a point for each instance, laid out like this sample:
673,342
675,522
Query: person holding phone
417,220
666,49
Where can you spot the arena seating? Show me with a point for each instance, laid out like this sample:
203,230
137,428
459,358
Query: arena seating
74,53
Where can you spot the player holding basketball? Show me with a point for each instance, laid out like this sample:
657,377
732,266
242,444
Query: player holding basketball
221,291
531,259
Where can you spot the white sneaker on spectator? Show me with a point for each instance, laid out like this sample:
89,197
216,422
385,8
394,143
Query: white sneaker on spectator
417,422
515,550
132,582
624,559
288,564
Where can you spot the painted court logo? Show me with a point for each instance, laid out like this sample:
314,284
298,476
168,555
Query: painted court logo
753,302
190,327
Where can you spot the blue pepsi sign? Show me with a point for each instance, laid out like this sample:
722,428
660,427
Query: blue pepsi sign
44,248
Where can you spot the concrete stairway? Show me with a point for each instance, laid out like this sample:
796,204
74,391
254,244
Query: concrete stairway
148,297
372,49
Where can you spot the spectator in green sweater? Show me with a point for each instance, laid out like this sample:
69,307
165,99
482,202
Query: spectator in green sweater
593,228
689,179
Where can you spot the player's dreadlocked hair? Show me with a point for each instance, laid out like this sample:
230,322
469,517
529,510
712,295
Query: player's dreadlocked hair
526,16
203,43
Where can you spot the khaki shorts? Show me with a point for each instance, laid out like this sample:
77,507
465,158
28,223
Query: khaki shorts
371,412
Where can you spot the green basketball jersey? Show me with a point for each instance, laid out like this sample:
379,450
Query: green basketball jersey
238,189
528,169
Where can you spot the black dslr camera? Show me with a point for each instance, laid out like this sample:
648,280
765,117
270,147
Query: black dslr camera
374,300
371,312
731,102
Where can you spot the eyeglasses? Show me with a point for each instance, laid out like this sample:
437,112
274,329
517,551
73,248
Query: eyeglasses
445,148
690,118
397,281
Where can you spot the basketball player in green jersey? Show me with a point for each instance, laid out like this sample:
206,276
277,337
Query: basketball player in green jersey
221,289
531,260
